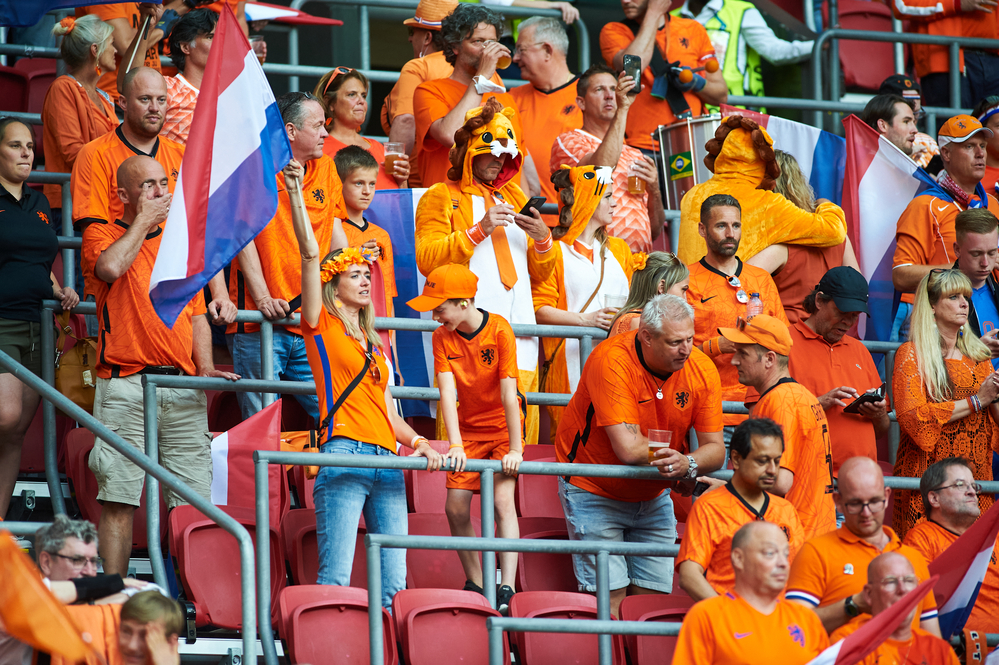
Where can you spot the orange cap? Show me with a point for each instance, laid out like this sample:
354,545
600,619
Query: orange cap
445,283
768,332
431,13
959,129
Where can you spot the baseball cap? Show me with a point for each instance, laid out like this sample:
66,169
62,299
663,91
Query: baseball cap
768,332
431,13
901,85
959,129
846,287
445,283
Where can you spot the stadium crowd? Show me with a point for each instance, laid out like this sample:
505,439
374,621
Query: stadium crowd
759,304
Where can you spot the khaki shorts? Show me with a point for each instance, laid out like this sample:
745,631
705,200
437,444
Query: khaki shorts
184,439
22,341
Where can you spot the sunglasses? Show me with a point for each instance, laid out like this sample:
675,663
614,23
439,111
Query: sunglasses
336,72
376,374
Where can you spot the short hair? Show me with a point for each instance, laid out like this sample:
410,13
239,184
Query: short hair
352,157
935,476
985,105
718,201
583,83
461,23
192,25
810,303
742,437
148,606
975,220
882,107
6,121
292,107
52,537
547,30
77,40
665,307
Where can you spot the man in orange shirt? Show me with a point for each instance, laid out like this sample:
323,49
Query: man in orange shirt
827,574
805,477
950,496
890,576
704,563
838,368
118,258
752,624
662,42
649,379
471,45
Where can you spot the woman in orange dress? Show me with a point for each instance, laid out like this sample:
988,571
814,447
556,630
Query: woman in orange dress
655,273
943,387
343,92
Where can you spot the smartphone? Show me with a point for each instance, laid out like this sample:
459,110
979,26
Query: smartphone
536,202
699,488
870,396
633,68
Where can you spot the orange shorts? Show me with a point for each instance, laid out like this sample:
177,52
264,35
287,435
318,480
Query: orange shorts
469,480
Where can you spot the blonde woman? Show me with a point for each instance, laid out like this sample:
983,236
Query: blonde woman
944,389
344,351
655,273
796,269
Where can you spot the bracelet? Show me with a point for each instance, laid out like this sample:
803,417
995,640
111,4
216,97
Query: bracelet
455,445
544,245
475,234
416,439
975,404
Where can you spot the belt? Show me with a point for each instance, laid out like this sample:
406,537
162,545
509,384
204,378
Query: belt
166,370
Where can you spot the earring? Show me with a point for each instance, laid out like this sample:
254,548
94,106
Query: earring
464,303
98,69
337,303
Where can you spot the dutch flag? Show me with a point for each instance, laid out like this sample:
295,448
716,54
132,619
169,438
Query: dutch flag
227,191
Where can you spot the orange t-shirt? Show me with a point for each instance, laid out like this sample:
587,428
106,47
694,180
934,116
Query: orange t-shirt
804,268
726,629
714,519
335,358
616,386
131,335
714,301
807,452
277,246
128,11
432,101
623,323
70,120
930,539
384,181
820,367
990,179
832,566
430,67
478,361
182,97
548,113
679,40
920,649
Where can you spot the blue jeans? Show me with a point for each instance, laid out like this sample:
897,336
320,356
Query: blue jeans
341,495
900,326
290,364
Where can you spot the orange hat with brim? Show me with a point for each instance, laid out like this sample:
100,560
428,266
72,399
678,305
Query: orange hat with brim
431,13
443,284
768,332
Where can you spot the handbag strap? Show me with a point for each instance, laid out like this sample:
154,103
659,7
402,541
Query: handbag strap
65,330
346,393
603,262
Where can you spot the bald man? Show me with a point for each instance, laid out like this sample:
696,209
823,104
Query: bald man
751,623
94,183
890,576
828,572
118,260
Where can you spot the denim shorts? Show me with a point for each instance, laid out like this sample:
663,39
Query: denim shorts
592,517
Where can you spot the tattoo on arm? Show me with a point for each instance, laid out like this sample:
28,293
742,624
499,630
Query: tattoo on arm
632,428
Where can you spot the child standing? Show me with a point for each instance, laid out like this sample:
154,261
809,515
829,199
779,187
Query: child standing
475,354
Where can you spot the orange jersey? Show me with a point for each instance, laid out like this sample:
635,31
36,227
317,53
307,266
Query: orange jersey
714,519
335,359
70,120
820,367
832,566
804,268
95,175
726,630
548,113
921,648
432,101
930,539
131,335
279,259
679,40
182,97
129,12
418,70
714,300
807,452
384,181
478,361
990,179
617,387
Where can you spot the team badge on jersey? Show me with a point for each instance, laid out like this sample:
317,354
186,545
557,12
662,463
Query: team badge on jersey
487,356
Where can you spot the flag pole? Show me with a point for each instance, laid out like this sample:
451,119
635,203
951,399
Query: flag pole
145,35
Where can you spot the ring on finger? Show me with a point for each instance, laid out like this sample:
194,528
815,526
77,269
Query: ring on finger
670,468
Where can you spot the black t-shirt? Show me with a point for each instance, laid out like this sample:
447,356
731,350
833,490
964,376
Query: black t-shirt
28,247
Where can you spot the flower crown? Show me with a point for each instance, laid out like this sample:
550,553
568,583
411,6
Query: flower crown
341,262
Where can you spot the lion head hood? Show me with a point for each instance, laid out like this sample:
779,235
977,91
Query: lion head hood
580,189
487,129
744,149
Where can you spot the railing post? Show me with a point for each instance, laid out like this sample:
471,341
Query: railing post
49,416
487,504
374,554
603,604
262,495
495,642
585,348
68,255
267,359
151,423
365,35
293,57
899,48
955,75
834,61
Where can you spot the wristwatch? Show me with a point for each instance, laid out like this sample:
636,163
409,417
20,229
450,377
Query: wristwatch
851,607
692,469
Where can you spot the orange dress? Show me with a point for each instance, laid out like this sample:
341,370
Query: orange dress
927,437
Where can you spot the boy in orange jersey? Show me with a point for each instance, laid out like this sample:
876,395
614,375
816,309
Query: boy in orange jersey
475,354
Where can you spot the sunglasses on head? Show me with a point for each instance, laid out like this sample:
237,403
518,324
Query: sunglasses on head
336,72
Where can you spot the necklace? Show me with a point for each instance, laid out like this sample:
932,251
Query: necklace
906,659
659,390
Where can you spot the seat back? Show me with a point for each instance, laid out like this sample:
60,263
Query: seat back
33,448
537,496
434,569
865,64
543,648
542,452
427,492
648,649
14,84
544,571
443,627
301,547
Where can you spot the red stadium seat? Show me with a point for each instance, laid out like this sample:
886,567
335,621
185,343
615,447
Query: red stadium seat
301,547
434,569
537,496
544,648
426,492
223,412
329,625
543,571
649,649
444,627
14,84
303,487
33,449
542,452
865,64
